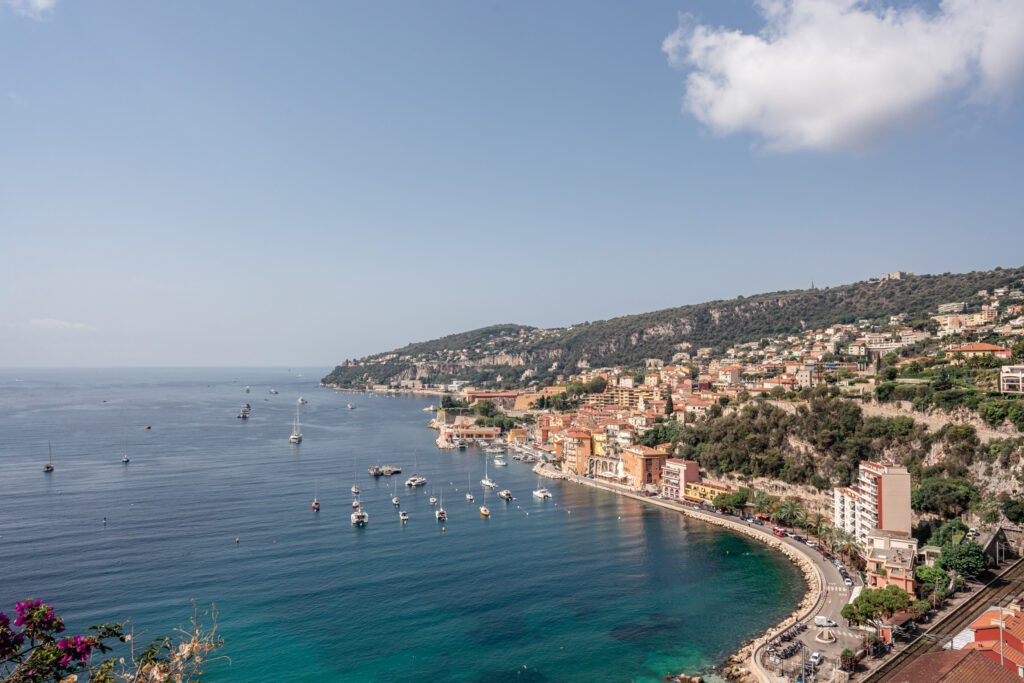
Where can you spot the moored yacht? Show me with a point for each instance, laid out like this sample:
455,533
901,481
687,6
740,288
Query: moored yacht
360,517
500,462
416,480
505,494
404,516
541,493
296,436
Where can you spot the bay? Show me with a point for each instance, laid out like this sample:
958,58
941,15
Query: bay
584,587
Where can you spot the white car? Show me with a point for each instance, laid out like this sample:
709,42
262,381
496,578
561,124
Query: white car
815,659
847,581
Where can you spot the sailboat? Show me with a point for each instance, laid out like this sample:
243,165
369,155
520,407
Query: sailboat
394,499
296,436
486,481
415,480
48,467
433,498
360,517
469,494
316,503
440,513
125,459
541,492
484,511
355,487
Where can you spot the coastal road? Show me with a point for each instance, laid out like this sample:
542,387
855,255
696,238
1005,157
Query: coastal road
834,595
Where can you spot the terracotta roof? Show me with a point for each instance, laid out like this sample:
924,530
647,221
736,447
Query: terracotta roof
955,666
1008,652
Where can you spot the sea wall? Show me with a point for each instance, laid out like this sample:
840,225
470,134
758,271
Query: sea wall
741,666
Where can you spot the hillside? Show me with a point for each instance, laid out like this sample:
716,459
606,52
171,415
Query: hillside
508,351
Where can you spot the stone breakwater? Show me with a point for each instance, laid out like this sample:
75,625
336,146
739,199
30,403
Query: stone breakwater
741,666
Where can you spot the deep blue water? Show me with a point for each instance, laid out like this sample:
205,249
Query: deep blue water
584,587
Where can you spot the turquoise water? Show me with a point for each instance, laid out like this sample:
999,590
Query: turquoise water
584,587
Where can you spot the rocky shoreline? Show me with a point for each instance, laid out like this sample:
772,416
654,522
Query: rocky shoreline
740,666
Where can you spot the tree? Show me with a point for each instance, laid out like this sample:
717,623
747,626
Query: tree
967,559
873,605
763,503
945,533
670,407
945,497
930,576
1014,510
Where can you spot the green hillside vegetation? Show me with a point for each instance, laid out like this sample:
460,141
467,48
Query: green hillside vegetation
628,340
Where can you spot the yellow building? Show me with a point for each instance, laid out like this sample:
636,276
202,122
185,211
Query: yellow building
600,443
704,493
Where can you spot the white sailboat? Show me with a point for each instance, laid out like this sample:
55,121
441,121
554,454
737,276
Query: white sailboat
355,487
469,494
48,467
433,498
316,503
486,481
296,436
125,459
541,492
394,496
415,480
440,513
360,517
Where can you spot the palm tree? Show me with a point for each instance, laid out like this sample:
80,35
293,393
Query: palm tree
763,503
815,524
787,512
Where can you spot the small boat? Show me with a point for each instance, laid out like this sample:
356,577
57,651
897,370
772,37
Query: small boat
430,409
296,436
404,516
355,489
505,494
394,498
273,391
247,390
482,443
461,443
302,401
500,462
484,510
433,498
48,467
351,406
375,470
469,496
244,412
440,513
494,449
541,493
360,517
355,503
316,503
125,459
388,470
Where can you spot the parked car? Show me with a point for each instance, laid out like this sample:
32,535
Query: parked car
847,581
823,621
816,658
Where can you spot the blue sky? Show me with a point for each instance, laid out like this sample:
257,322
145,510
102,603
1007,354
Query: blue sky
267,183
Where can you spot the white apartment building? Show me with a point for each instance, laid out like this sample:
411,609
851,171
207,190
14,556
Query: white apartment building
880,499
1011,379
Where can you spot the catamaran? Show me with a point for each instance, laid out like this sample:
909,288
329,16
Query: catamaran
360,517
541,492
440,513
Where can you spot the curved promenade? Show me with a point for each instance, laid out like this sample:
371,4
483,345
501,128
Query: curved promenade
817,600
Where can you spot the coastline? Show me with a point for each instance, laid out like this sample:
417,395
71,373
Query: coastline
400,392
743,665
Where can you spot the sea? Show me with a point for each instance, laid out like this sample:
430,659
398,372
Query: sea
586,586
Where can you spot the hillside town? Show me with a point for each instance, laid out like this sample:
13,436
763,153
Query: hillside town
603,426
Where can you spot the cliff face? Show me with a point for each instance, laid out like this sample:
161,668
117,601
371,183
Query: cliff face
509,350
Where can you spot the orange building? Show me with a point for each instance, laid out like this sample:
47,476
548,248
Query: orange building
643,466
576,451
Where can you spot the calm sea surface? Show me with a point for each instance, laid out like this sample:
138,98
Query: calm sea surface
583,587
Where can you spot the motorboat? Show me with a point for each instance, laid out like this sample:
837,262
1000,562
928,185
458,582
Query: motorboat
388,470
273,391
302,401
541,493
351,406
244,412
500,462
396,501
375,470
505,494
404,516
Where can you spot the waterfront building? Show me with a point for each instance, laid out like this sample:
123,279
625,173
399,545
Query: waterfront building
575,446
643,466
676,475
698,492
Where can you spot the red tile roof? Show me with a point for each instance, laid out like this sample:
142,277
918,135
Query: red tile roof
955,666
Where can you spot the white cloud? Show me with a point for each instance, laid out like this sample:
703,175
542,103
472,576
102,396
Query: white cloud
52,324
36,9
840,74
